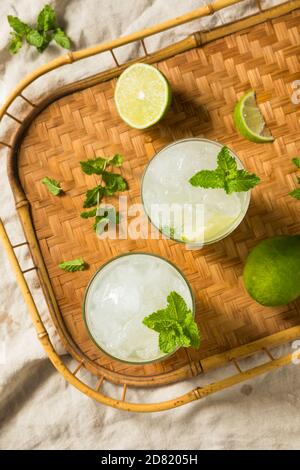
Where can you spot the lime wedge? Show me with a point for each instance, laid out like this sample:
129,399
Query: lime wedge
249,121
142,95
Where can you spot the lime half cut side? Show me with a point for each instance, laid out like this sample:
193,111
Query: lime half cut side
142,95
249,120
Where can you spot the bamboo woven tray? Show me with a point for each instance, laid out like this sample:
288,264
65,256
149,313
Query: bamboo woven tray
80,121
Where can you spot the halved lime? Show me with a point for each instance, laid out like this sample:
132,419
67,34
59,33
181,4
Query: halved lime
142,95
249,120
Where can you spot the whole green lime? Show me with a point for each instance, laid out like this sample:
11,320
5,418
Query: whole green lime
272,271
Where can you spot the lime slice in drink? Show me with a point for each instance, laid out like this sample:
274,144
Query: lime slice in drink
192,235
249,121
142,95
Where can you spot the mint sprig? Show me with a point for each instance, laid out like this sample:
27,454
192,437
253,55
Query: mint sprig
226,176
175,325
40,36
109,184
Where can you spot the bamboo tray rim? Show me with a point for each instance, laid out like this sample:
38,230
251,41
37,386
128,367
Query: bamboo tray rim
23,209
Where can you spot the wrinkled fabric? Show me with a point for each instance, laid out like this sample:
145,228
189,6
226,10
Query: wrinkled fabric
38,409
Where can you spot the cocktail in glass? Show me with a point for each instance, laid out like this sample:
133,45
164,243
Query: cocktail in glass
196,216
121,294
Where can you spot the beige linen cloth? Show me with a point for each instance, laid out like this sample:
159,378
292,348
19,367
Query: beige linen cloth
38,409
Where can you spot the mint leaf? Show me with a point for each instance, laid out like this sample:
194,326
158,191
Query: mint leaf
158,320
15,43
94,166
73,265
17,25
114,183
175,324
225,176
177,307
296,161
168,340
242,182
226,162
62,39
116,160
190,329
46,40
171,337
295,194
46,20
34,38
208,179
93,196
87,214
102,221
52,185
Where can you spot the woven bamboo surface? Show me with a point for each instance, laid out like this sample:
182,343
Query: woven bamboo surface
206,83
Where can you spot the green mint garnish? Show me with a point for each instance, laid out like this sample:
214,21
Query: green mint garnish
243,181
226,175
295,194
52,185
296,161
93,196
17,25
46,20
73,265
114,183
39,37
109,184
15,43
96,166
175,325
102,221
34,38
88,214
116,160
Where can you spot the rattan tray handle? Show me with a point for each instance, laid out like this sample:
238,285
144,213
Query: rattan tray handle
204,10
